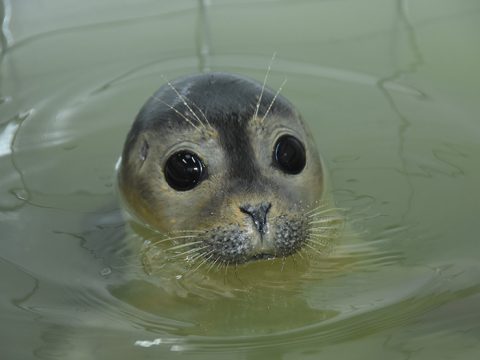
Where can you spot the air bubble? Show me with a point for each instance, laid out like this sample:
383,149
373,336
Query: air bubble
106,271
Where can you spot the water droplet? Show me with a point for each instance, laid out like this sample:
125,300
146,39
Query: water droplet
20,194
106,271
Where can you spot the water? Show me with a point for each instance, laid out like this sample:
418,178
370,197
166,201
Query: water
390,90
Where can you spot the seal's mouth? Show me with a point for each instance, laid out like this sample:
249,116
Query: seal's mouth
263,256
236,244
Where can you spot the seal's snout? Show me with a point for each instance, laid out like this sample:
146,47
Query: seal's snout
258,214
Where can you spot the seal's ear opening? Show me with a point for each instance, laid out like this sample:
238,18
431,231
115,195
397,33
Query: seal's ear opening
144,150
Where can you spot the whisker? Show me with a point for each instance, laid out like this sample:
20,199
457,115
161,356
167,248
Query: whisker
273,100
324,240
181,246
284,259
324,211
327,225
200,255
203,262
300,254
178,113
263,85
319,236
321,206
183,99
314,249
186,253
212,265
324,228
219,266
203,114
319,242
185,231
194,258
162,240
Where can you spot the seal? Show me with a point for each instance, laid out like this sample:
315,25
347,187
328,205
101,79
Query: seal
227,168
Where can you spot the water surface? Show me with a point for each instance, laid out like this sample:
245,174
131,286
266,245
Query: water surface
390,90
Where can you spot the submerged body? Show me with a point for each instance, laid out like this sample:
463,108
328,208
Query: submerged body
228,168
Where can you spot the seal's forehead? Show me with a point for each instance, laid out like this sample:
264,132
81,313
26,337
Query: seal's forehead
226,96
221,98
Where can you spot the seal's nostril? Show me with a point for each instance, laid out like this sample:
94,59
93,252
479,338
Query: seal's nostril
258,213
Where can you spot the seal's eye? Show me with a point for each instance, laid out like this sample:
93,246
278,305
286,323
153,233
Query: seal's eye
184,170
289,154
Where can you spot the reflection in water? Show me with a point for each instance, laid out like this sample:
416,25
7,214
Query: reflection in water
249,62
204,39
8,136
20,301
6,37
402,28
10,128
183,8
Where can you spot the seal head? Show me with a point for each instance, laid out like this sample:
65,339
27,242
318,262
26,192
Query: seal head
228,162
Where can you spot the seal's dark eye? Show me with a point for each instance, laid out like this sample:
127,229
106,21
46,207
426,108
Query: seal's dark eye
184,170
289,154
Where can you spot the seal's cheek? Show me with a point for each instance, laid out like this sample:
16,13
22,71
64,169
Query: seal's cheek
170,210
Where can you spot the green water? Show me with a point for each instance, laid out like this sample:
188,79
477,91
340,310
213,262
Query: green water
391,90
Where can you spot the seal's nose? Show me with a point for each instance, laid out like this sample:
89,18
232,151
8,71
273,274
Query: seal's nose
258,213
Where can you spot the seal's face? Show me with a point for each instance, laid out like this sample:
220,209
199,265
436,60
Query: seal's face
228,162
